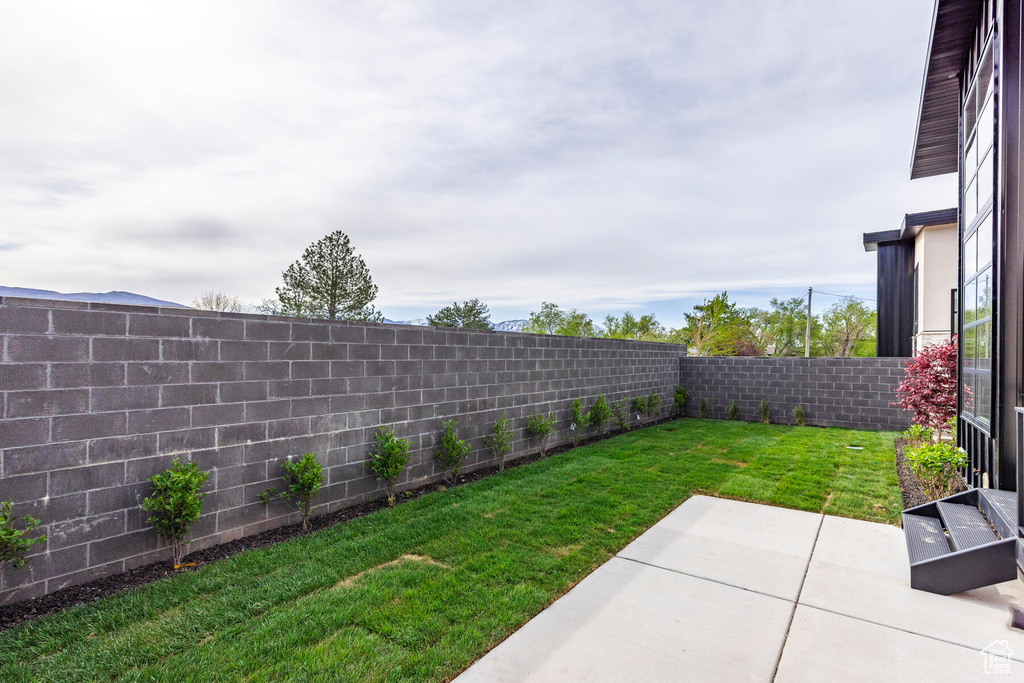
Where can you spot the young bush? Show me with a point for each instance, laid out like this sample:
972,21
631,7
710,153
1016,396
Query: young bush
388,457
453,451
929,389
766,416
499,441
703,408
653,403
14,542
918,434
600,414
539,427
799,418
303,479
176,504
937,466
734,411
681,396
639,406
621,415
578,420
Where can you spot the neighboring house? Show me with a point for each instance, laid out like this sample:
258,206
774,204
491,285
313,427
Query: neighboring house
917,274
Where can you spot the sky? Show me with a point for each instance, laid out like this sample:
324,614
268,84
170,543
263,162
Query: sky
600,155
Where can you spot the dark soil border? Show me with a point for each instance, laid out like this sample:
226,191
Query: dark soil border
65,598
910,487
913,493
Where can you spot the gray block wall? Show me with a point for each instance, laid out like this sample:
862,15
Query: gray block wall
835,392
97,398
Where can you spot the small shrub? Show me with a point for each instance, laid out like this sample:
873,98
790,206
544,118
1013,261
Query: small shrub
539,427
14,542
388,457
639,406
600,414
681,396
937,466
176,504
918,434
653,403
766,416
453,451
621,415
499,441
268,495
799,417
734,411
577,419
703,408
303,478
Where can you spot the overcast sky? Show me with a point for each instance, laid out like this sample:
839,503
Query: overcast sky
600,155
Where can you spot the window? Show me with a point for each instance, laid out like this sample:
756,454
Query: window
978,184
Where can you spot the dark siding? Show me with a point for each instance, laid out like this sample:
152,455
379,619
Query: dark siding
1008,384
895,299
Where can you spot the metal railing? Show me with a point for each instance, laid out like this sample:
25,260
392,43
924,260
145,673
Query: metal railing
982,470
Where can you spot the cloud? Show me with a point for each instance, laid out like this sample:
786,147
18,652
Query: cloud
593,154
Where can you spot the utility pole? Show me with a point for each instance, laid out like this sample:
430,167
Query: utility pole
807,335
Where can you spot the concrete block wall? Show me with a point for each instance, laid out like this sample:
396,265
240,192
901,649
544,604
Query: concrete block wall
96,398
835,392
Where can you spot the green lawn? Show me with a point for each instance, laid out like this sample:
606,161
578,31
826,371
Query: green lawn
420,591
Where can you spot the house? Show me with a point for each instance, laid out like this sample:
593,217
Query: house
969,123
917,267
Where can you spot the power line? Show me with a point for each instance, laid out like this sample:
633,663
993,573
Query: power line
843,296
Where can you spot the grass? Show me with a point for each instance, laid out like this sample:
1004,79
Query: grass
419,591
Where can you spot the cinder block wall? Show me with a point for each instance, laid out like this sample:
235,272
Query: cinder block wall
97,398
835,392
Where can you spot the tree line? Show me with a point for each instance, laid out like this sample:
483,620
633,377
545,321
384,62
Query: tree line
331,281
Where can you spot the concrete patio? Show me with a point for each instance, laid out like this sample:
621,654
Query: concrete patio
721,590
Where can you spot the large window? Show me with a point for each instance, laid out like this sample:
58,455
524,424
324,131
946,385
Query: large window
978,180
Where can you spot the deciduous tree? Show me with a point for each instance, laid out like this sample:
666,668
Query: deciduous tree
715,327
644,328
929,389
219,301
553,320
845,325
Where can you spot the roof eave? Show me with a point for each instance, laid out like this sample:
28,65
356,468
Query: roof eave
935,135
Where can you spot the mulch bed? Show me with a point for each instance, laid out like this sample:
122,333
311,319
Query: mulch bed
913,494
11,615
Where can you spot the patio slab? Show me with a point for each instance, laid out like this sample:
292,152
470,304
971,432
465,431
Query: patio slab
816,598
632,622
823,646
757,547
860,569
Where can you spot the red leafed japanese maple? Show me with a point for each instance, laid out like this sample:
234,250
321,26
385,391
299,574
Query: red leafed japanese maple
929,390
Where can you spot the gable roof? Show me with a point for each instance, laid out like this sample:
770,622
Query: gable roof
935,140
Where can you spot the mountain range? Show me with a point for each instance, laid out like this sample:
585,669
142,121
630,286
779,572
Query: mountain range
132,299
98,297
